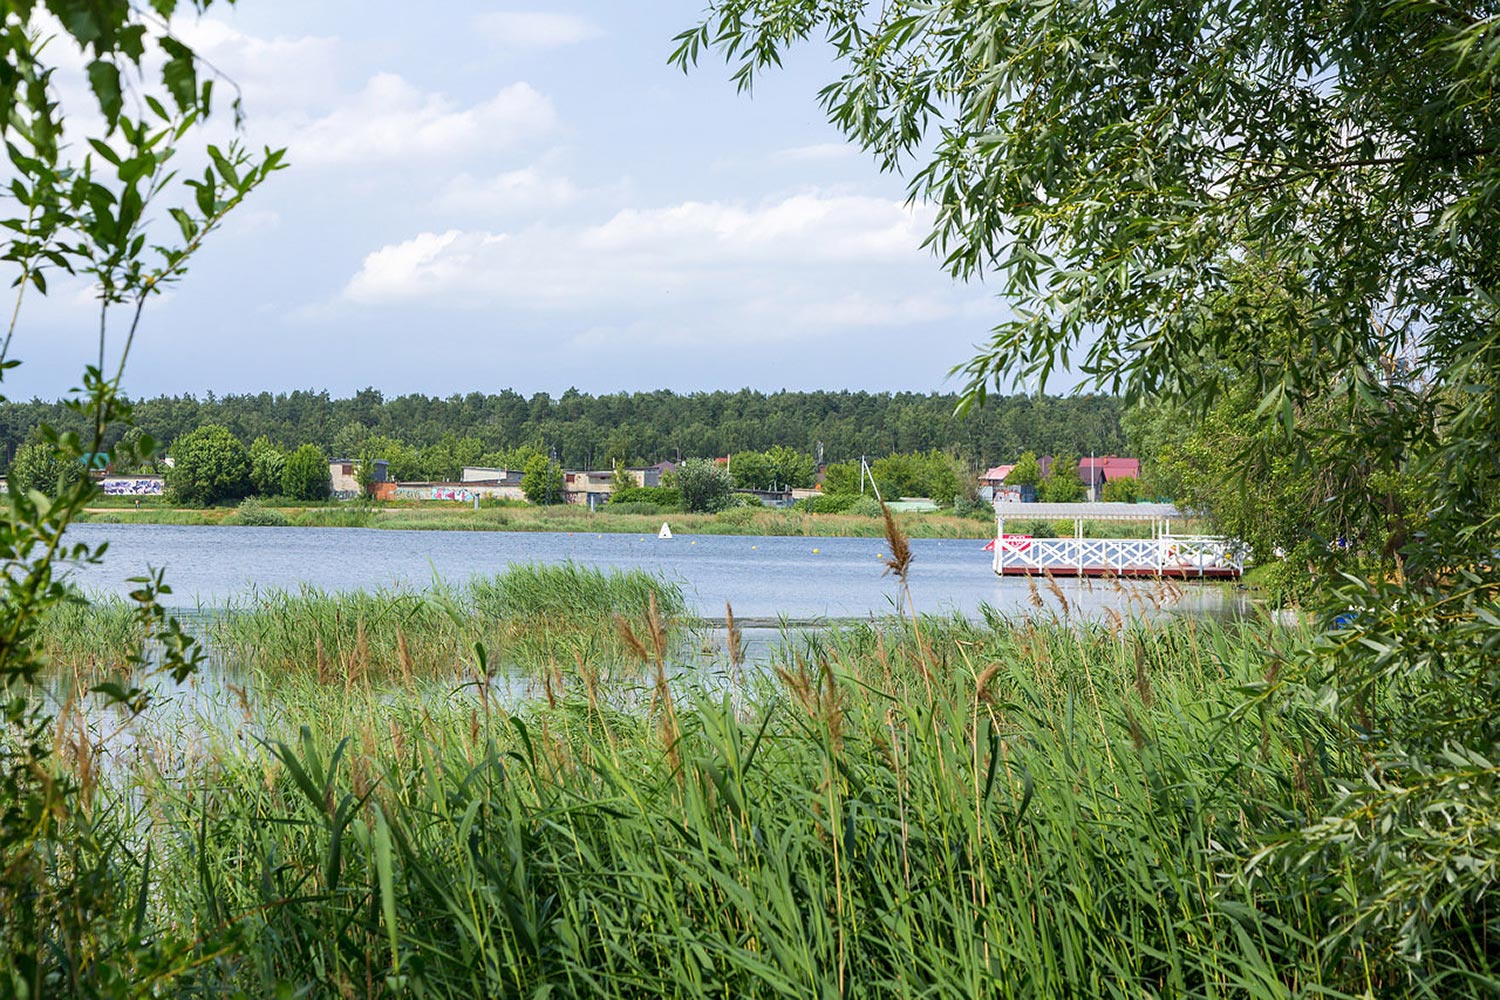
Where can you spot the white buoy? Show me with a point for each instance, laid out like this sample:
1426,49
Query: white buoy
665,531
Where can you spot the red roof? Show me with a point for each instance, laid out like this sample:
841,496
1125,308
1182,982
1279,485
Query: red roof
1113,466
997,474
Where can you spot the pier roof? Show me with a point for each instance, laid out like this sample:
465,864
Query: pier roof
1087,511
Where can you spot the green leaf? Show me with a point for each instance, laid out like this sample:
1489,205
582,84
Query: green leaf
385,876
104,80
103,149
180,73
185,223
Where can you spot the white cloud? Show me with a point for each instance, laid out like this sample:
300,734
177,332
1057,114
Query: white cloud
798,264
812,226
275,75
535,29
528,190
393,120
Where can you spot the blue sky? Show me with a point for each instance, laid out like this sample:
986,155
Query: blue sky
487,196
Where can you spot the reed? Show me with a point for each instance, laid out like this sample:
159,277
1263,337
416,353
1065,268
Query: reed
531,617
1007,808
90,638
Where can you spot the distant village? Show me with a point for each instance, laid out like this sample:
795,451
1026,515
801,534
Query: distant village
593,488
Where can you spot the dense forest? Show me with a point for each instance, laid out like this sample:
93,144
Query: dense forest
588,431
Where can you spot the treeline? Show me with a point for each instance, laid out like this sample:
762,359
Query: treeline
585,431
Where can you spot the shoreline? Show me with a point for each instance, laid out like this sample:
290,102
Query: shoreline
738,521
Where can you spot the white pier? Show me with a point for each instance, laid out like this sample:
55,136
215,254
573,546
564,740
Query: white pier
1163,554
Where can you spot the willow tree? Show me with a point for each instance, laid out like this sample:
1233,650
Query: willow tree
1112,167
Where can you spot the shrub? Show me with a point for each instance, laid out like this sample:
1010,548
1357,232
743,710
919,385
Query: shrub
746,500
664,497
705,485
830,503
739,517
967,506
864,506
542,481
1123,490
637,507
253,513
40,465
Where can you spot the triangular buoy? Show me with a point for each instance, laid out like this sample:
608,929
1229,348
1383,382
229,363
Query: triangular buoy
665,531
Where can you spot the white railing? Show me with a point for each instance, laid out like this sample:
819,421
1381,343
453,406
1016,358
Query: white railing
1172,554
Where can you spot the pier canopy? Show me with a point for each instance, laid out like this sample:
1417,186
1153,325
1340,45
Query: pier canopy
1087,511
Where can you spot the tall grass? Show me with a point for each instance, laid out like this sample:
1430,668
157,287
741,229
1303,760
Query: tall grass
569,592
92,638
528,616
955,809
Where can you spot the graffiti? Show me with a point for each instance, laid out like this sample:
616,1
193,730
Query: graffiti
436,493
145,487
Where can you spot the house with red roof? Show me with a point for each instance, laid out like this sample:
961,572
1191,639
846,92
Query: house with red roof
996,477
1097,471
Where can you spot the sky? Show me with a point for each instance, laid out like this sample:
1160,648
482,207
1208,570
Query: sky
489,196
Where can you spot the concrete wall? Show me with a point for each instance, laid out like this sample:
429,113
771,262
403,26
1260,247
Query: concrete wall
342,480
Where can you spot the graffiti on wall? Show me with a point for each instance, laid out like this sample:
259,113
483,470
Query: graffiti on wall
436,493
145,487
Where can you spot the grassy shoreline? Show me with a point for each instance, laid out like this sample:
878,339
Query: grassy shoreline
462,517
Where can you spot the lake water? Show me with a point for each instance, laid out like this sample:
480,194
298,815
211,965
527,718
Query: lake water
798,578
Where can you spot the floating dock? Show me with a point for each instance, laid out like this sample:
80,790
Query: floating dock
1162,555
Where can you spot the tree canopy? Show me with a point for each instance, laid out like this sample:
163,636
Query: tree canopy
542,481
431,438
304,475
208,465
1291,200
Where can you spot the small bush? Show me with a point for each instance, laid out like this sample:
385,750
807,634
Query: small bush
636,507
739,517
966,506
829,503
1123,490
1036,529
252,513
747,500
864,506
344,516
705,485
663,497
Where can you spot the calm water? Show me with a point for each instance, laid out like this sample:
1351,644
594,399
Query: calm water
799,578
